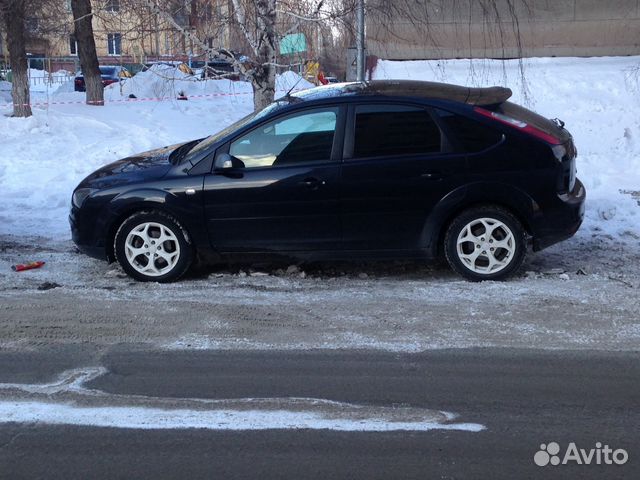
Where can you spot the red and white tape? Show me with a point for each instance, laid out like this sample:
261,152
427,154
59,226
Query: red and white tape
127,100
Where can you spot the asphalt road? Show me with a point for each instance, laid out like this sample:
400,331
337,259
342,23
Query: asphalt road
522,397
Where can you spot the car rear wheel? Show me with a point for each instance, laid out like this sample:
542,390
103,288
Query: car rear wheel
152,246
485,243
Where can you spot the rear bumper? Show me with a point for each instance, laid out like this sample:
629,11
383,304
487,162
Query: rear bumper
562,220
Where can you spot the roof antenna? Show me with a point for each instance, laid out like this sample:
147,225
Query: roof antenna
288,94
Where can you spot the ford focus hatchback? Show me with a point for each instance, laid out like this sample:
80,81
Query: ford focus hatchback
380,169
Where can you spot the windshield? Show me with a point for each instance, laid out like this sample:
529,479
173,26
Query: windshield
216,137
107,71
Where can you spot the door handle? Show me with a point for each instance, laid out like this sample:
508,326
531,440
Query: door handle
312,183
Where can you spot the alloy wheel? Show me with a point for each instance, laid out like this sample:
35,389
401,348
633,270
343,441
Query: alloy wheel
152,249
486,246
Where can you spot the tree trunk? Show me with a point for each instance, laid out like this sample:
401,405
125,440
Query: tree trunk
263,79
13,13
82,17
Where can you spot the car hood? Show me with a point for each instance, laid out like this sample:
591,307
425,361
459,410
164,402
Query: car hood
145,166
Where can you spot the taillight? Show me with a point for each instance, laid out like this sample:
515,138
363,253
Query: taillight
518,124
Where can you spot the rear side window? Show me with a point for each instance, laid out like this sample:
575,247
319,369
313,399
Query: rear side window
394,130
472,136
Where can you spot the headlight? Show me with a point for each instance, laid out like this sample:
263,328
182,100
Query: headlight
80,195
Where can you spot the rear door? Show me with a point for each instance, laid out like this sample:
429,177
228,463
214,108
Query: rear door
398,164
286,197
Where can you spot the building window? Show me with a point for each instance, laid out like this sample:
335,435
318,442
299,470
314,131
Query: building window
112,6
73,45
114,43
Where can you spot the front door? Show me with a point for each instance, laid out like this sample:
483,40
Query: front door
285,194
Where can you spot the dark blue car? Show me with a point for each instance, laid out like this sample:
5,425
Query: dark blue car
382,169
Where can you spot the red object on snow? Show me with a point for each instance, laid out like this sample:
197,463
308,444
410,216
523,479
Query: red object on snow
26,266
322,79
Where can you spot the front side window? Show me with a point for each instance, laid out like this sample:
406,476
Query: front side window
394,130
114,43
297,138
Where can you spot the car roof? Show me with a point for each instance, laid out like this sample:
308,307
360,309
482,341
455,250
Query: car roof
411,88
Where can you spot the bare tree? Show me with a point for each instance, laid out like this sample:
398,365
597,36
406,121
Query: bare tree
257,22
82,16
260,24
13,14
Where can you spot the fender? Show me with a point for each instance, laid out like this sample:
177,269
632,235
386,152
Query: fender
512,198
188,209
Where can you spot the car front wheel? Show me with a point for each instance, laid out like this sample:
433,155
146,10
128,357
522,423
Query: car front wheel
152,246
485,243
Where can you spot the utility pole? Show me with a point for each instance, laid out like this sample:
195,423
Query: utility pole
360,41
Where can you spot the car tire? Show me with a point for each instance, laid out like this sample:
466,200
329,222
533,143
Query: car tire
151,246
485,243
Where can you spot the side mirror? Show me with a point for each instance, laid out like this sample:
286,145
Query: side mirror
223,161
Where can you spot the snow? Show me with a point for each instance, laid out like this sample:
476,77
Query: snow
156,418
85,406
42,81
43,158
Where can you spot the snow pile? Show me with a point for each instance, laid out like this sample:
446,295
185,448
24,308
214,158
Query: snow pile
289,80
167,82
597,98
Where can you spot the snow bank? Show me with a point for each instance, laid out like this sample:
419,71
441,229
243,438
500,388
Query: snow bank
289,80
167,82
43,158
597,98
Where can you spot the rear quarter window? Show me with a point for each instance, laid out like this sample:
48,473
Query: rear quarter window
471,135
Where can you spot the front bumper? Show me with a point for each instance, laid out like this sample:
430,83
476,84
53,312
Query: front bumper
561,221
83,235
